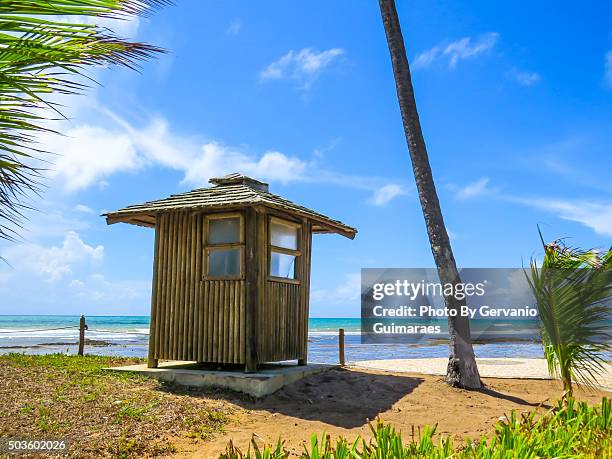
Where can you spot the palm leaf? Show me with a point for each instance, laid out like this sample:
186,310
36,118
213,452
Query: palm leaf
573,290
43,53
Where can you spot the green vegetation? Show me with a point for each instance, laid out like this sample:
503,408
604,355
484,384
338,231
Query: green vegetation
571,289
84,368
570,430
46,47
205,424
98,411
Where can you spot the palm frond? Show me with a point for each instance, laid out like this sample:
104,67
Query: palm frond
102,8
43,52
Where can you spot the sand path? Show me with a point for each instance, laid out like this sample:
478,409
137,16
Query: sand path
491,368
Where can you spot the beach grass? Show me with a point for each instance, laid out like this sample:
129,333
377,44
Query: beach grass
100,412
571,429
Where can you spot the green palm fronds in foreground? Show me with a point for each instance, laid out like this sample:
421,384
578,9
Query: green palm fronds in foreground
573,290
45,46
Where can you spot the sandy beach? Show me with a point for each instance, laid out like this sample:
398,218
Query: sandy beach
513,368
340,402
102,411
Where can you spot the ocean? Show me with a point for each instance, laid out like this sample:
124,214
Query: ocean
128,336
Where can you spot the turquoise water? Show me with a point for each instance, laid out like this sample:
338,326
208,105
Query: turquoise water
128,336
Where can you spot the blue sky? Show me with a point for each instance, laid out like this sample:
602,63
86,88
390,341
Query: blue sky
515,102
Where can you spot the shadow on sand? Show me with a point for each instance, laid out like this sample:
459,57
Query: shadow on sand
343,398
511,398
339,397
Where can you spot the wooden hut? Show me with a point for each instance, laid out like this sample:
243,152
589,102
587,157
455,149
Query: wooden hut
231,273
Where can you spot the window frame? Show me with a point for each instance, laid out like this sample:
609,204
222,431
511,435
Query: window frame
297,253
208,247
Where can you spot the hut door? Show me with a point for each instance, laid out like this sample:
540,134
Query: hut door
280,337
223,331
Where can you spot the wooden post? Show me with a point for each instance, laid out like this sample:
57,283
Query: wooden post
252,290
341,346
82,328
305,276
152,357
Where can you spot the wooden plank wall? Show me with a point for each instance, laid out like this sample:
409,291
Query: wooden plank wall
279,323
204,321
194,319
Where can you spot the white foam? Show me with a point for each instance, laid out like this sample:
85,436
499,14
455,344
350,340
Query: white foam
331,333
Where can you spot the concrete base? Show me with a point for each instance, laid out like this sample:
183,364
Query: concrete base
268,379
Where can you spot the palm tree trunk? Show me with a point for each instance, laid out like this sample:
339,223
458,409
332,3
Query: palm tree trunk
566,378
567,389
462,370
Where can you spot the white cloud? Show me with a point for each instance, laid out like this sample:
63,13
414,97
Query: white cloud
464,48
426,57
234,27
525,78
218,159
590,213
477,188
157,145
303,66
39,277
54,262
386,194
608,69
515,290
90,155
84,209
595,215
96,288
82,294
565,158
349,290
51,220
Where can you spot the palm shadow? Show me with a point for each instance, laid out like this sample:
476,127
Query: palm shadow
511,398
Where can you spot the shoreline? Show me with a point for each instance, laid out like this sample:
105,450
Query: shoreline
503,368
128,336
322,349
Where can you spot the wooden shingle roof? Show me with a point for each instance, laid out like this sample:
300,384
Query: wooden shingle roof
231,191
